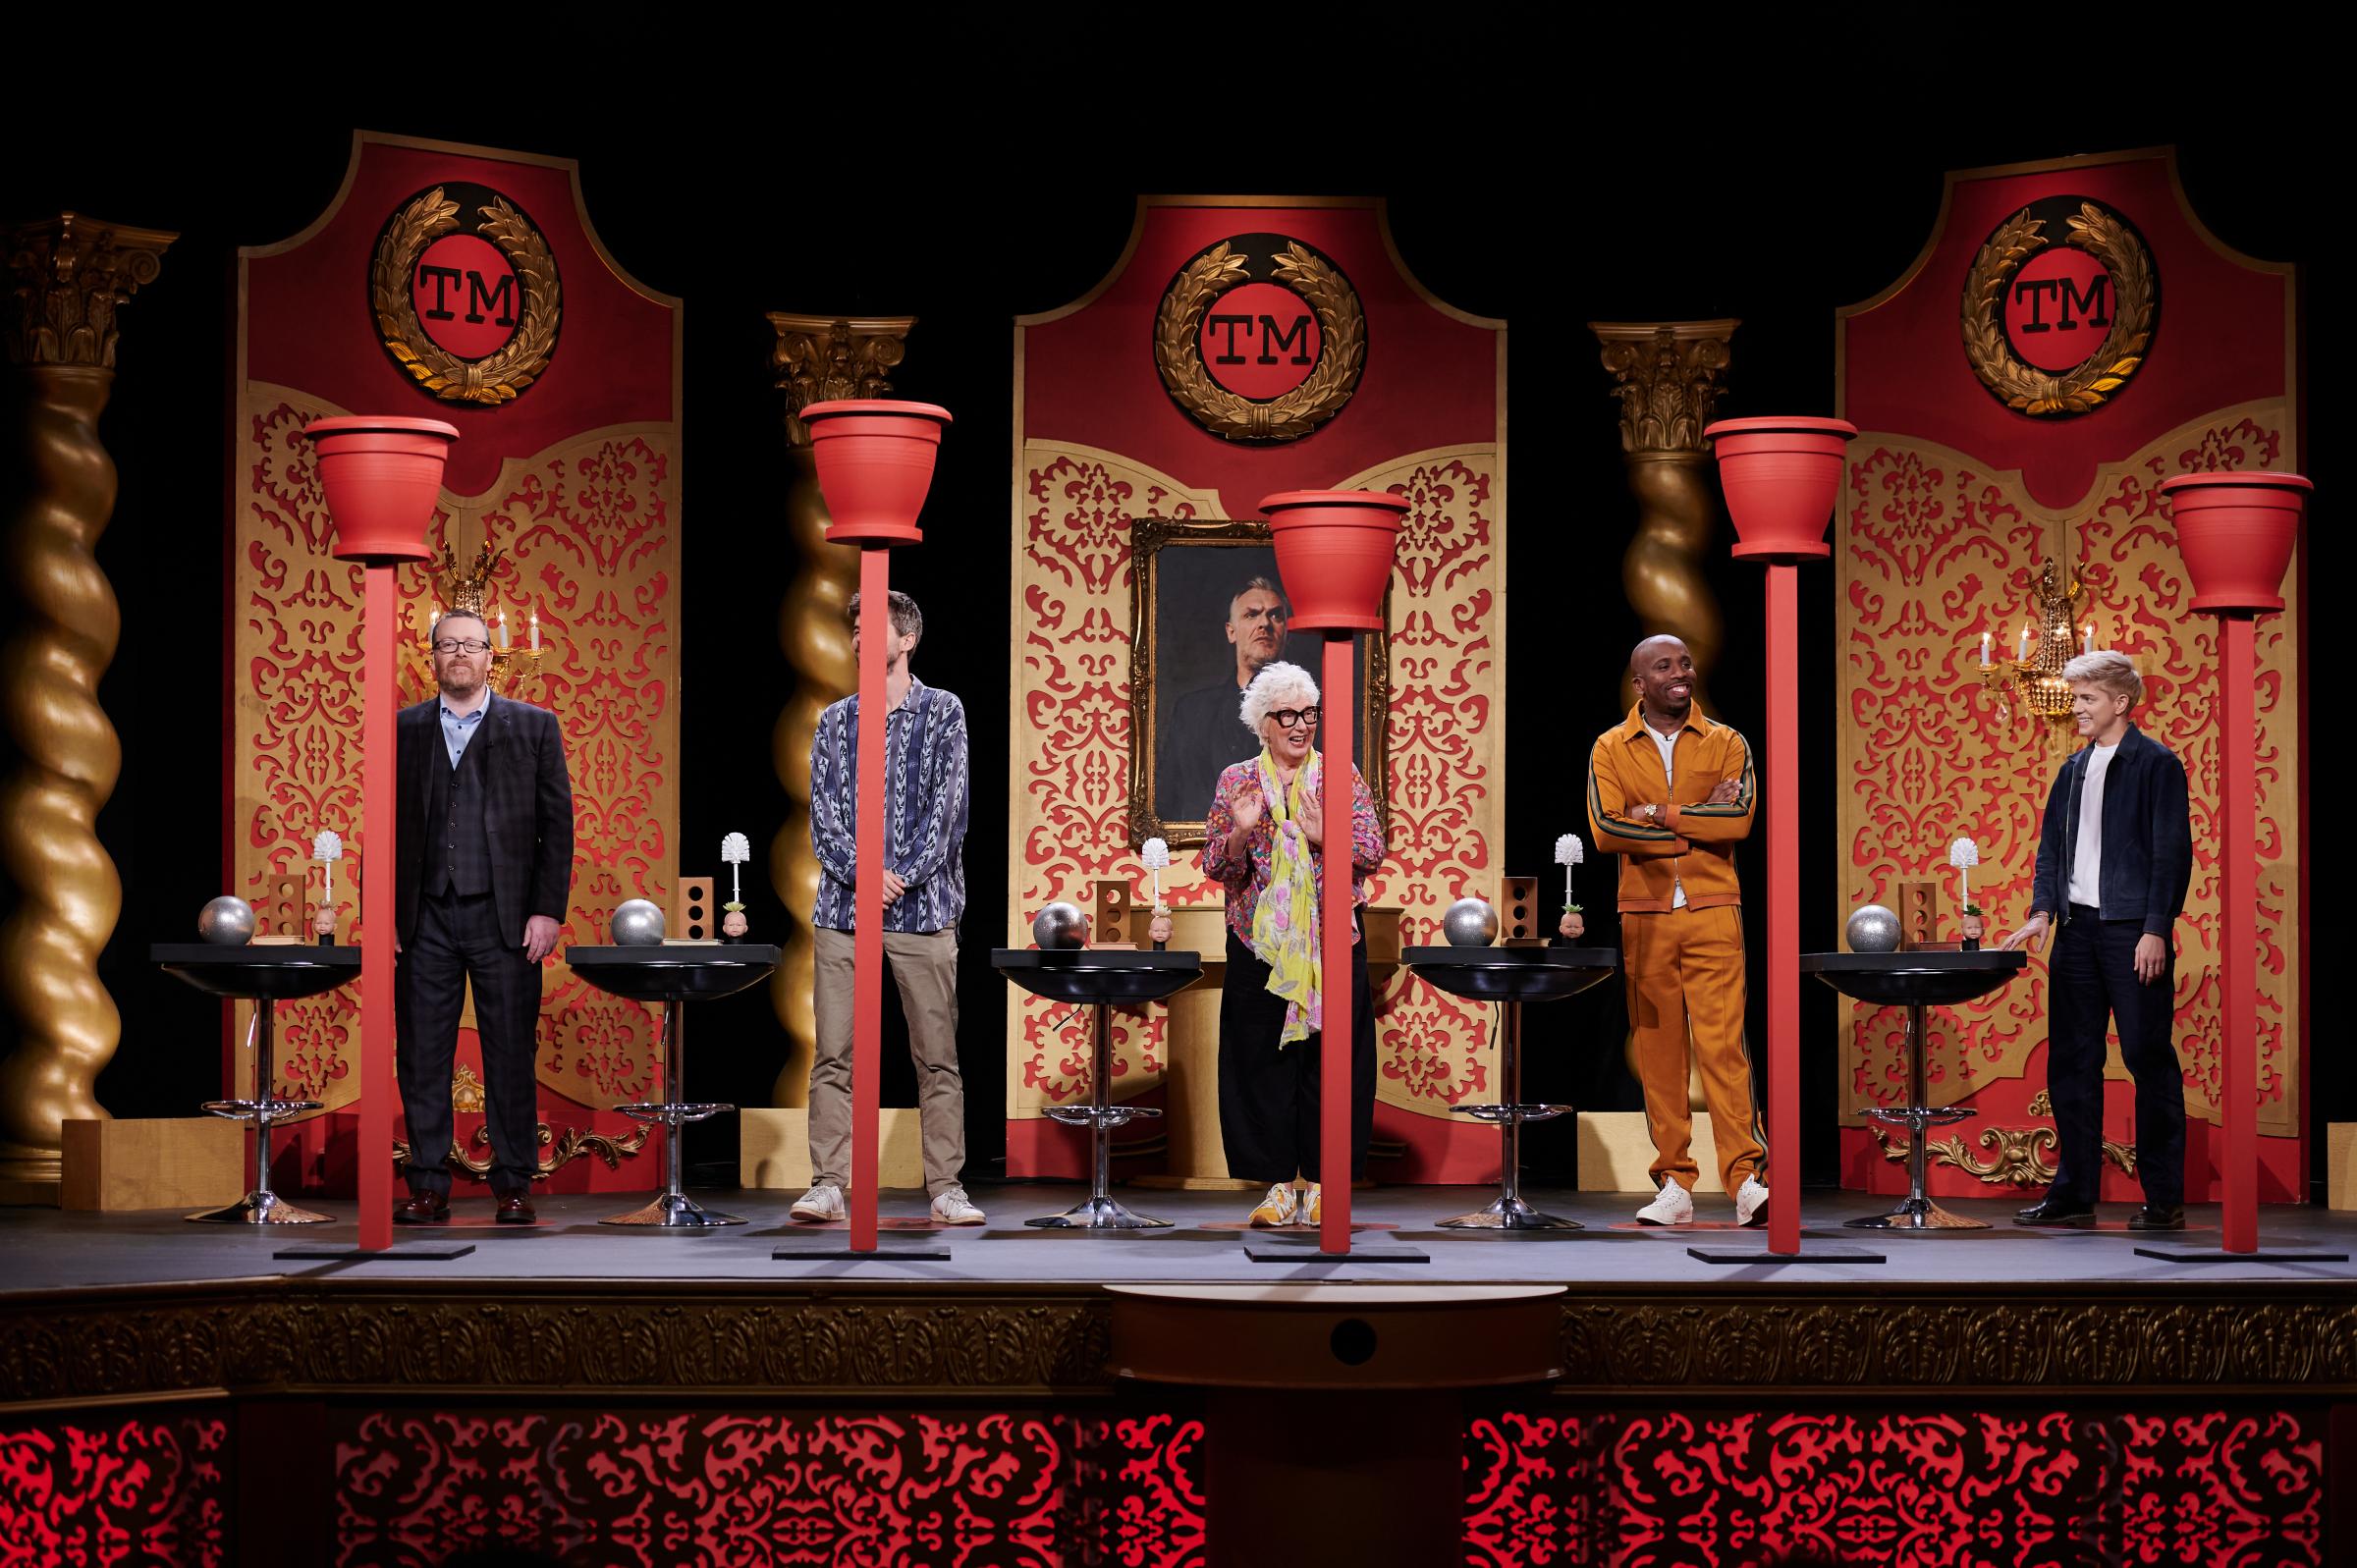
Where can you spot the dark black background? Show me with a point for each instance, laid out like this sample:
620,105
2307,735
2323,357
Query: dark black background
1549,195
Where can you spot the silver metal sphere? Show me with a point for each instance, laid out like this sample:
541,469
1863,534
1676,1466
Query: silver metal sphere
1060,925
637,923
227,920
1470,923
1873,929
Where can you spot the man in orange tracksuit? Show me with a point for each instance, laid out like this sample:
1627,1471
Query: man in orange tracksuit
1672,793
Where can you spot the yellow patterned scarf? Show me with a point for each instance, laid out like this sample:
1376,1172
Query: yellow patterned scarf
1285,923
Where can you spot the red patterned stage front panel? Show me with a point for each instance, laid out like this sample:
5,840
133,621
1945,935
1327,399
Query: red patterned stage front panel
147,1489
651,1490
1972,1489
1102,444
575,479
1954,503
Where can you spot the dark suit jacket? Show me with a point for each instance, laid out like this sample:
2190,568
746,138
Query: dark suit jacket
527,807
2147,835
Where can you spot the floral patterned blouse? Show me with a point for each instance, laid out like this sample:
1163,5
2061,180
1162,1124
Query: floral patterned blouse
1245,877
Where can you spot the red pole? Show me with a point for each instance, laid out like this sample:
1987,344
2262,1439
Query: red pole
867,896
2237,787
380,816
1334,924
1783,905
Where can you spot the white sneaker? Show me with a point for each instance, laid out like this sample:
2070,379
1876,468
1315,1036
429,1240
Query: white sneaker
954,1207
1669,1207
1313,1208
819,1204
1281,1207
1751,1202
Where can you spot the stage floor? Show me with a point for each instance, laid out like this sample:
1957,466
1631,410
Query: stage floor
49,1250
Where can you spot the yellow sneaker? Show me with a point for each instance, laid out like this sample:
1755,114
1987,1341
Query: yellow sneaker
1313,1211
1280,1208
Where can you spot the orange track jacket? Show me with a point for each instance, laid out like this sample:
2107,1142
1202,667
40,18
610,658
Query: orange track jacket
1693,842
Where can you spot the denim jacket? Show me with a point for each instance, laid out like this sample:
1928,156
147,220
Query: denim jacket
2148,837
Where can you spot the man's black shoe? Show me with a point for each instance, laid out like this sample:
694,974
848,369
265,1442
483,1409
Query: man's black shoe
2061,1212
422,1209
515,1209
2158,1217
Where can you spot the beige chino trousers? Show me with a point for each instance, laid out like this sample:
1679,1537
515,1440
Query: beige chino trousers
924,965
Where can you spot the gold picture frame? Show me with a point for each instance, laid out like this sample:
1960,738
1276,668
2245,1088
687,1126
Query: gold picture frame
1167,666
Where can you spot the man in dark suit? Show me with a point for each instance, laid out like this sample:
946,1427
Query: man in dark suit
486,870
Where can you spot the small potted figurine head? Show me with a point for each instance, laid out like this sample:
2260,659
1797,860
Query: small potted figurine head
323,925
733,924
1975,927
1574,924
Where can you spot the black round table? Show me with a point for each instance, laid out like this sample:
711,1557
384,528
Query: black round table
674,976
265,975
1915,981
1510,977
1098,978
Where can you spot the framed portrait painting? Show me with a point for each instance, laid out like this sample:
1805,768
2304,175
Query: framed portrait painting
1207,610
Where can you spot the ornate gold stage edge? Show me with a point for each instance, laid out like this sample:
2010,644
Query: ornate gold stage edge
1665,377
816,359
754,1342
67,276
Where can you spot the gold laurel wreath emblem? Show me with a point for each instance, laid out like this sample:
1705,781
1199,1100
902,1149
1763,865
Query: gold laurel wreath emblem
1178,355
516,365
2023,387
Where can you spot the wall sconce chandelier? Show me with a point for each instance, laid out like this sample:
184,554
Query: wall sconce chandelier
2050,636
515,666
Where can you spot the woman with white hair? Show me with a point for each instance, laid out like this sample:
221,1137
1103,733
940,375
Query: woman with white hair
1265,843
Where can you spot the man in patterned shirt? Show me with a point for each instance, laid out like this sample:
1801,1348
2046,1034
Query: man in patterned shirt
924,895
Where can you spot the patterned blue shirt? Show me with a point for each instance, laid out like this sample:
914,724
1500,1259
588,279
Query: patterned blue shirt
925,809
459,729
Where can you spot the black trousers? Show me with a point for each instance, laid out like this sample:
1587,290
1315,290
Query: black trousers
1270,1098
457,941
2093,973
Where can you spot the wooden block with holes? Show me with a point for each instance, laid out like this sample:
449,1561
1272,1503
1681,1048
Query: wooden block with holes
1117,917
163,1162
1917,906
694,917
1518,924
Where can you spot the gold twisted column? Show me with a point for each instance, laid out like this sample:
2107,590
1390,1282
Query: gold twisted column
1666,379
66,277
816,359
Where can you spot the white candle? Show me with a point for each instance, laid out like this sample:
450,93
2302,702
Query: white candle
1984,650
2089,645
535,631
503,631
2021,644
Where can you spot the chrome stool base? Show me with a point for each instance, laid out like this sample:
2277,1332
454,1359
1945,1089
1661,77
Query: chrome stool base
1509,1212
675,1210
1098,1212
260,1209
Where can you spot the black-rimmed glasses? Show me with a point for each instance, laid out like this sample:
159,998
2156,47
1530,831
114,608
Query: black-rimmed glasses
1294,718
462,645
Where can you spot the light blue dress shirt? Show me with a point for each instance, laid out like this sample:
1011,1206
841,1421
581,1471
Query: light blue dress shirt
459,729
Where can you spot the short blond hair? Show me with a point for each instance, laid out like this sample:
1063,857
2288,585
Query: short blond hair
1278,685
2111,671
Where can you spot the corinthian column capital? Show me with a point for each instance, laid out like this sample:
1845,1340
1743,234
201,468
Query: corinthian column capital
1665,375
66,276
824,359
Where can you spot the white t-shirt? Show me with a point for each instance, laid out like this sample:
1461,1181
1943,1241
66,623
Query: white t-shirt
1668,744
2087,855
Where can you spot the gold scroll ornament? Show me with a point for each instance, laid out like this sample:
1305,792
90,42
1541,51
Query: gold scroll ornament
67,275
816,359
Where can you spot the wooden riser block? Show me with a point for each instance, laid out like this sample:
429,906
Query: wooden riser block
168,1163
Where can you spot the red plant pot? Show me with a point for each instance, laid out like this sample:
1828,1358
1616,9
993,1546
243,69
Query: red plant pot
1781,474
875,465
2235,531
382,474
1334,551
